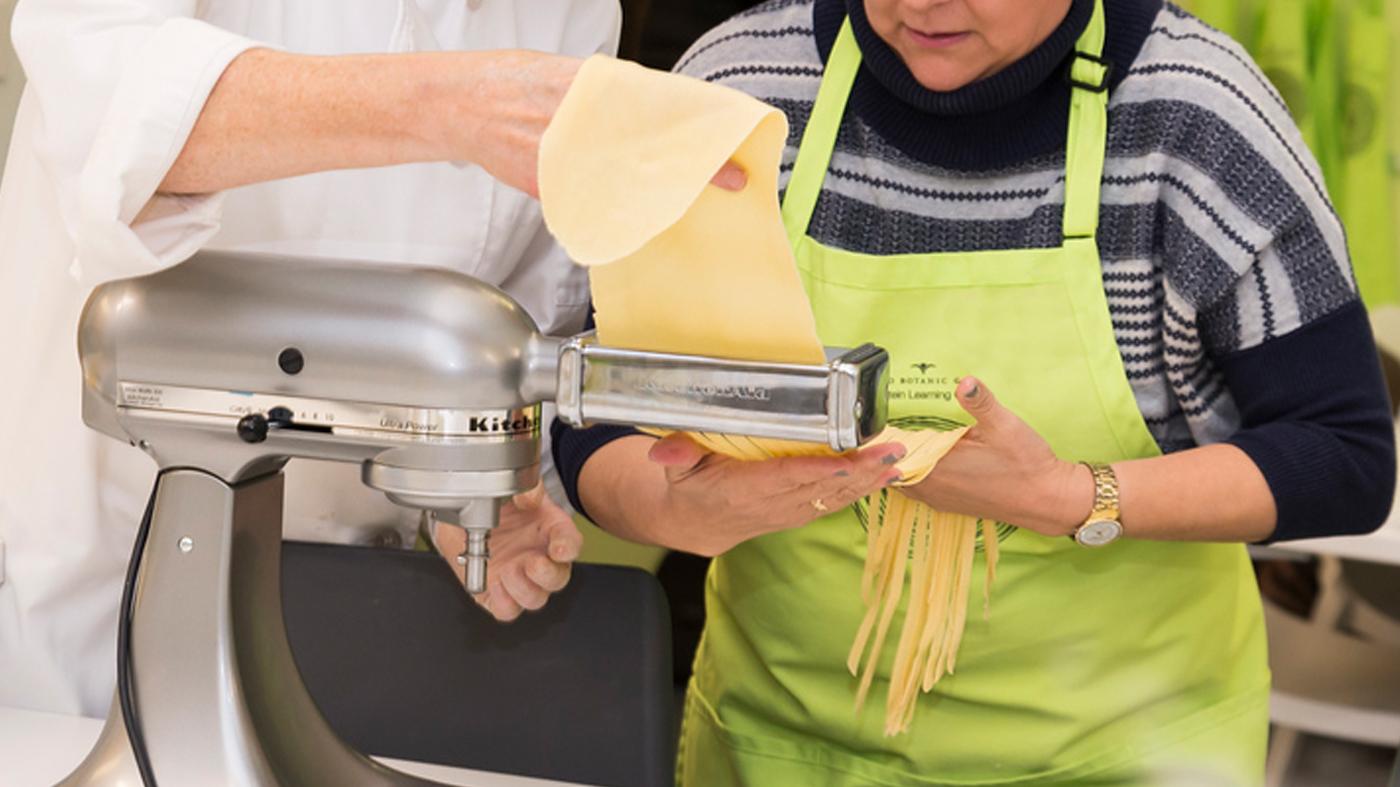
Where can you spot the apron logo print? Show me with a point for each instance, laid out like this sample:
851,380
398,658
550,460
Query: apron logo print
922,383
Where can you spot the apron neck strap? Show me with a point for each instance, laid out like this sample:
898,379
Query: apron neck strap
1088,129
819,137
1084,150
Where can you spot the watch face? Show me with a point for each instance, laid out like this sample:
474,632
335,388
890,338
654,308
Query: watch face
1098,533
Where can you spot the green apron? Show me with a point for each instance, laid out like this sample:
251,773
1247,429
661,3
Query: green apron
1139,663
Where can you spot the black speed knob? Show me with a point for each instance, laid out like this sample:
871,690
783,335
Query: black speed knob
252,428
291,360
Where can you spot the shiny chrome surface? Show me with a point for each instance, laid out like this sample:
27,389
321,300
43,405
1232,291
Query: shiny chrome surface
220,699
447,490
366,332
477,519
409,367
857,404
840,403
224,367
389,421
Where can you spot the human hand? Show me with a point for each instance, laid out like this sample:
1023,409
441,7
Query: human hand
532,553
507,100
731,177
716,503
1002,469
509,103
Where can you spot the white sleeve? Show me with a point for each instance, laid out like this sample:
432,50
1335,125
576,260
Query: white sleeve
591,27
119,85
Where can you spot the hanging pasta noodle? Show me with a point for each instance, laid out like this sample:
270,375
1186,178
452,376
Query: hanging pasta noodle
942,549
679,266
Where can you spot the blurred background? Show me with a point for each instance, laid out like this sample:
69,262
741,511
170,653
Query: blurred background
1333,607
11,77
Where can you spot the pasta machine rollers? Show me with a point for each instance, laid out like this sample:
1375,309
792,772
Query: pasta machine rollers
224,367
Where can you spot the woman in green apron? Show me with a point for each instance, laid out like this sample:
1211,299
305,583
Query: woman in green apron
1164,357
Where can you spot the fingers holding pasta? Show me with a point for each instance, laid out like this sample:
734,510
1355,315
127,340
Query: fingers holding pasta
724,501
1005,471
832,495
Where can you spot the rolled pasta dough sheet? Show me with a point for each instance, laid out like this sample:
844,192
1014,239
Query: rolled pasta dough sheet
676,264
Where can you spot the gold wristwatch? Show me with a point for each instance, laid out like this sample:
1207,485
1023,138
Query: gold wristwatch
1102,527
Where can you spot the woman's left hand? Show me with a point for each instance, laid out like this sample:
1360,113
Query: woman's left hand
1002,469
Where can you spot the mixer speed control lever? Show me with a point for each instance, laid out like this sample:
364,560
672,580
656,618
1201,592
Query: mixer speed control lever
253,428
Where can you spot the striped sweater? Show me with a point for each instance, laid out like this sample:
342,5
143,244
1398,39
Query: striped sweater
1224,264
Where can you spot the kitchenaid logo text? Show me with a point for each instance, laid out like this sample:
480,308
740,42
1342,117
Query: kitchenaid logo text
482,424
756,393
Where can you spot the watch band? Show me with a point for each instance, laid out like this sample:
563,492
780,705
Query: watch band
1101,527
1105,492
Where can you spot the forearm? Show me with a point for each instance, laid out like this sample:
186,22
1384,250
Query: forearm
1212,493
1003,470
275,115
622,491
673,493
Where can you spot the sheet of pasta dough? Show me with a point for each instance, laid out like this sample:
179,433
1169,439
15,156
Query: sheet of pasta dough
676,264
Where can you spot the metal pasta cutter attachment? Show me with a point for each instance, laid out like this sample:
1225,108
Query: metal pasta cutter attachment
224,367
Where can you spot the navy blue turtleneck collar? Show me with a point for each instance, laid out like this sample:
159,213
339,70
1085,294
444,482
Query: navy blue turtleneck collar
1017,114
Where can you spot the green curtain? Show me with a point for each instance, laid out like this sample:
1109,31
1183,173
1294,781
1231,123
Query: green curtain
1361,154
1390,113
1235,18
1331,61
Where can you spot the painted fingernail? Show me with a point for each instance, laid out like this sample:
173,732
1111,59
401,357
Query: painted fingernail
890,459
974,390
842,473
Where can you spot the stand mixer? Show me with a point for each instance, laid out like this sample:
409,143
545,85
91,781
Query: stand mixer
224,367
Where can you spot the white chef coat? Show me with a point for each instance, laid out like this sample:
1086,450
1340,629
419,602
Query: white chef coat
114,87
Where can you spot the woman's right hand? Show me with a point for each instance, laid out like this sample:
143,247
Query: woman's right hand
508,103
508,99
713,503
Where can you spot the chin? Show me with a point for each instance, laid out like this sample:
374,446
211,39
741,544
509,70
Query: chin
942,79
943,72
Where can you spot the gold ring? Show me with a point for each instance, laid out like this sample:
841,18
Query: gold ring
818,504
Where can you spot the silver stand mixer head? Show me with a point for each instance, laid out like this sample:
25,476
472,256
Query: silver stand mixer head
224,367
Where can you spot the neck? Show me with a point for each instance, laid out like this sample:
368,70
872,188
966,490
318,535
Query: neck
1012,116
